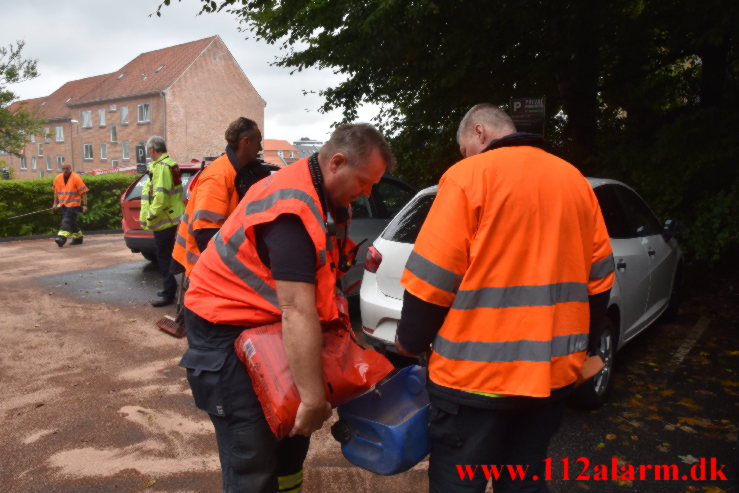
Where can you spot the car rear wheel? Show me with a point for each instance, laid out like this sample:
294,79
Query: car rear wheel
150,256
593,393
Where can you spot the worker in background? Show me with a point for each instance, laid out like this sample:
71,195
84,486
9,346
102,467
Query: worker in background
218,189
161,208
70,192
276,258
508,281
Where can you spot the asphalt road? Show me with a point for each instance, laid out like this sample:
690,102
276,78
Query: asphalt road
94,400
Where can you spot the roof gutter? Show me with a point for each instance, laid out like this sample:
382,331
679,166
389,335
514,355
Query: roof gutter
120,98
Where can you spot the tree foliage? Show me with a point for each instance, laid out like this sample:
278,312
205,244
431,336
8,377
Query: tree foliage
15,124
644,91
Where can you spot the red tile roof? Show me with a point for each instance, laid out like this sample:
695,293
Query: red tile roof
173,61
277,145
149,72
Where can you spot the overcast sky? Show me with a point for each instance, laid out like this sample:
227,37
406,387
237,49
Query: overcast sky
74,39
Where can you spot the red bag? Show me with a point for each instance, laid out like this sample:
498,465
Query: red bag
348,370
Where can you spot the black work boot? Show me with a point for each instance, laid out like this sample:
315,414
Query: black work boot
76,241
60,241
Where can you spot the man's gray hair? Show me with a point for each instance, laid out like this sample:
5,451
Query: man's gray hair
489,115
356,141
157,143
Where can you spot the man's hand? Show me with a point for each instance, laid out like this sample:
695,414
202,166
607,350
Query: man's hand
56,206
591,367
310,418
84,209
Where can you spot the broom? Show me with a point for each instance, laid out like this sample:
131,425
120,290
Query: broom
175,326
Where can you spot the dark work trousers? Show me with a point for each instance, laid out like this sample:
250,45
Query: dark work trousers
251,456
463,435
69,226
164,242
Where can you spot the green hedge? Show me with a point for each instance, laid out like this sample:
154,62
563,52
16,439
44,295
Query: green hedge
22,196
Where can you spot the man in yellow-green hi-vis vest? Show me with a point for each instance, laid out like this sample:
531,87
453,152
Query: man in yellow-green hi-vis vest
161,208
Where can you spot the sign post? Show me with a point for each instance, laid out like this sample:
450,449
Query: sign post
140,158
528,114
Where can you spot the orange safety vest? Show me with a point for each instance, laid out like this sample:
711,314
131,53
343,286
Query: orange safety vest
211,201
69,194
514,244
230,284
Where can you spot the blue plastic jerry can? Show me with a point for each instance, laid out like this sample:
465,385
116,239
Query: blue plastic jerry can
386,429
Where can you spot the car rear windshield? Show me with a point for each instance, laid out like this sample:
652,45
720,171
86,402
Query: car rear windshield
404,227
134,193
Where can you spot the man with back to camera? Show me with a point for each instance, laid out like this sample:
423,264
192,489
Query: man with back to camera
161,208
509,278
70,192
276,258
218,189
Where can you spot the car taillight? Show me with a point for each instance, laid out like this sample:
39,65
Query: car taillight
372,260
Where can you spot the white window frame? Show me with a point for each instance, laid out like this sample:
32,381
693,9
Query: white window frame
59,133
124,115
87,119
126,150
40,149
113,163
113,133
143,113
87,151
33,138
103,151
101,117
48,163
47,135
59,162
23,163
33,163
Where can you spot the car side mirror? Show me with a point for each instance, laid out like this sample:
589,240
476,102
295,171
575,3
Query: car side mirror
670,229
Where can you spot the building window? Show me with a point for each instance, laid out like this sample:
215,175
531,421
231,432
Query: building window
88,151
101,117
48,163
24,165
47,135
59,134
103,150
40,149
113,133
113,163
87,119
280,153
59,162
144,110
124,115
33,138
126,151
33,163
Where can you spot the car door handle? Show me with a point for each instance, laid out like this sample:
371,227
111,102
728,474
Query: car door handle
651,252
621,264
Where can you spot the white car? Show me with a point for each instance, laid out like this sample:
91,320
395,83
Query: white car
648,265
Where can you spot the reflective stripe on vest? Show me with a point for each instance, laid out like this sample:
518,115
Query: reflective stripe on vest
227,253
602,268
511,351
544,295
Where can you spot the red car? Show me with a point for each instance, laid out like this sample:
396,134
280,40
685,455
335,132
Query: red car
137,239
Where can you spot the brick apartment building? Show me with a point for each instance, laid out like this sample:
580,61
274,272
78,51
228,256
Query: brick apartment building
187,93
